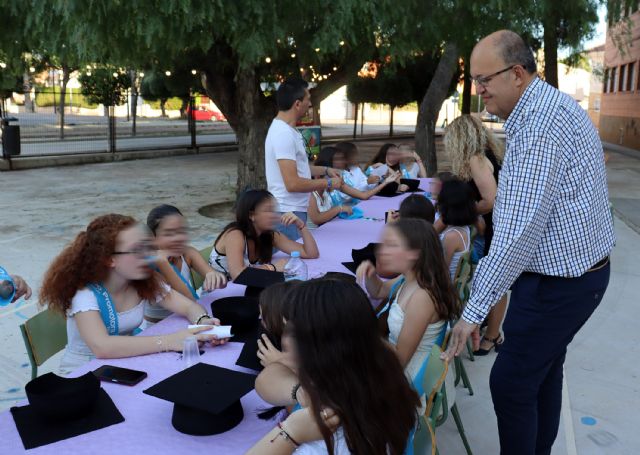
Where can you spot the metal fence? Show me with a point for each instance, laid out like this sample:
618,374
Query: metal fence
86,128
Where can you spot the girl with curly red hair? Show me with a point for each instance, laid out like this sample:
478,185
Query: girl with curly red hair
101,282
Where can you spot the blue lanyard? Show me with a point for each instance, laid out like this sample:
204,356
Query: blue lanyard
185,281
108,311
405,172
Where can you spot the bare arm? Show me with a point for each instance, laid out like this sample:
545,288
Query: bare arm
308,249
95,335
451,244
212,278
296,184
364,195
376,288
482,174
422,171
417,315
275,383
318,217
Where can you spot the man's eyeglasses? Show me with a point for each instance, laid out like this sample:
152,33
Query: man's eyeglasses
483,81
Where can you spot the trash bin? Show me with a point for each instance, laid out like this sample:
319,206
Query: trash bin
10,137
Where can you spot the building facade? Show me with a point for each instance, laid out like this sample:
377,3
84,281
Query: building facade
620,105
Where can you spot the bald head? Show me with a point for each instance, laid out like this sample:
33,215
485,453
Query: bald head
510,48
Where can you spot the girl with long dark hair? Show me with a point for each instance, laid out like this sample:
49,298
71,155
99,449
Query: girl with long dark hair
175,258
354,395
249,241
101,283
421,299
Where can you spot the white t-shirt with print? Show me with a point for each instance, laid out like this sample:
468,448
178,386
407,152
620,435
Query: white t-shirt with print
285,143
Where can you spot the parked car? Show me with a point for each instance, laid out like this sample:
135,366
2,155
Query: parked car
204,113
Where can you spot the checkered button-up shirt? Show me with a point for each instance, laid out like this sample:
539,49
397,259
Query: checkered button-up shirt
551,215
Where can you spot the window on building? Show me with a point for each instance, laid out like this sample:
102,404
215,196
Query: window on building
621,78
596,105
605,81
631,74
612,80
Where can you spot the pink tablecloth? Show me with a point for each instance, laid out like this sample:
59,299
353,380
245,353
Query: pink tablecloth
147,427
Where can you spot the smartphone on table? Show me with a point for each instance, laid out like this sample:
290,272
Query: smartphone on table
119,375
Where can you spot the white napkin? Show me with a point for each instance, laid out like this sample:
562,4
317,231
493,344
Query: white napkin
221,331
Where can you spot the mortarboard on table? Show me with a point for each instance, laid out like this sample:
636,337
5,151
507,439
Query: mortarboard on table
258,279
206,398
241,313
368,253
62,408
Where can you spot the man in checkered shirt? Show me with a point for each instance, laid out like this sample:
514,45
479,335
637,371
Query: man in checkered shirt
552,240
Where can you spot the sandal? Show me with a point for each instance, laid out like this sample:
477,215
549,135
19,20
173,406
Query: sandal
495,344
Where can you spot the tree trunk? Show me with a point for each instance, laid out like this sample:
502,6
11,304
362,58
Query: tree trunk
249,113
355,120
163,108
255,116
551,47
66,74
430,108
466,90
183,108
28,102
134,100
391,109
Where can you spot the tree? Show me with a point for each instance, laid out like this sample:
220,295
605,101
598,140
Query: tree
154,88
386,87
106,85
565,24
235,46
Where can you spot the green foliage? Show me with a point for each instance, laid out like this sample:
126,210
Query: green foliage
475,99
45,98
172,104
105,85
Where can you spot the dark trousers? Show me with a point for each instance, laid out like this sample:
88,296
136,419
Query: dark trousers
526,380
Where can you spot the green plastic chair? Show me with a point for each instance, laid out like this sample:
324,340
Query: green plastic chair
454,408
196,278
44,335
432,384
461,284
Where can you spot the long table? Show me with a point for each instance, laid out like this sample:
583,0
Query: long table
147,427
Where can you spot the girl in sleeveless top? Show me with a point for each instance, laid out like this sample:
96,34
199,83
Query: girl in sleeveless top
423,300
251,239
476,156
101,282
176,258
333,340
458,212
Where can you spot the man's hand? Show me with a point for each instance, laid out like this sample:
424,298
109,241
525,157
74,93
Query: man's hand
333,172
458,339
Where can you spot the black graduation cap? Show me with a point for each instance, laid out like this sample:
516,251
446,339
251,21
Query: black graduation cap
206,398
389,190
258,279
241,313
368,253
62,408
248,357
413,184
